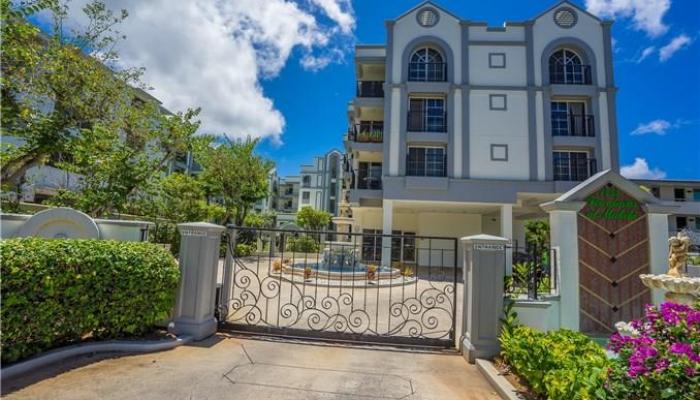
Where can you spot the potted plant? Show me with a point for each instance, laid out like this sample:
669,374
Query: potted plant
371,272
307,273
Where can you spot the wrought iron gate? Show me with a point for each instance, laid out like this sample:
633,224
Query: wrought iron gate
334,285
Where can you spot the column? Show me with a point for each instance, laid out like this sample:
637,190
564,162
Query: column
563,236
387,225
507,232
199,262
484,259
658,250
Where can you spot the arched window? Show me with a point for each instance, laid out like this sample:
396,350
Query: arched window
565,67
427,64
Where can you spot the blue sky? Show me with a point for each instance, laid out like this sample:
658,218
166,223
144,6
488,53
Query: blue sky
282,70
314,104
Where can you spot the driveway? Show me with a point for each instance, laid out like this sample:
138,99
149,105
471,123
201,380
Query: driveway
225,367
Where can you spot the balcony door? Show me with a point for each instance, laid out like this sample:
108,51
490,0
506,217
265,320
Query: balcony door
573,166
426,115
569,119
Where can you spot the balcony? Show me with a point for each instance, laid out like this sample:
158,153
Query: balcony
370,89
431,121
367,132
574,169
427,72
582,125
570,74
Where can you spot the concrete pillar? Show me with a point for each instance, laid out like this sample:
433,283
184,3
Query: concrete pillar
563,237
658,250
387,226
484,267
507,232
199,261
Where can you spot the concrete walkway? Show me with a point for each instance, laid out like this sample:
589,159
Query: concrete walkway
243,369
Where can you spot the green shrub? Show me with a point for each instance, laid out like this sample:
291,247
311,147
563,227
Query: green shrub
57,291
245,250
303,244
557,365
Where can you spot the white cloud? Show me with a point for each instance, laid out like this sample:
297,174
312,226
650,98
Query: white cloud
647,15
646,53
673,46
640,170
214,53
657,126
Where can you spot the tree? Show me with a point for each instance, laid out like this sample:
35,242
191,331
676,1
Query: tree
537,233
233,174
311,219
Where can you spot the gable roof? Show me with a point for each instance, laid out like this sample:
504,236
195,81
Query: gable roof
427,3
569,4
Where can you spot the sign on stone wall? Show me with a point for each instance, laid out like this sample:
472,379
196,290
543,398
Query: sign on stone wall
613,250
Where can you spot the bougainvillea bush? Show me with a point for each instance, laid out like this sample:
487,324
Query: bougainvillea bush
61,291
658,355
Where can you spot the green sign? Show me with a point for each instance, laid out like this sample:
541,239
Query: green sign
609,204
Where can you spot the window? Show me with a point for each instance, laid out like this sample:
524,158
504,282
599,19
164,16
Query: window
697,223
333,189
679,194
426,64
565,67
426,161
306,181
369,175
371,245
497,60
427,115
498,102
656,192
573,166
305,197
681,223
569,119
696,194
403,247
499,152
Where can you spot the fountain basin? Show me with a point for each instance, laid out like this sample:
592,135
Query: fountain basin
337,272
684,290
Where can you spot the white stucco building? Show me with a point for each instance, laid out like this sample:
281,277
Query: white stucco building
460,128
321,182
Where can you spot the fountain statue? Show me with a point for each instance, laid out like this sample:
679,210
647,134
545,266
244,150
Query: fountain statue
680,287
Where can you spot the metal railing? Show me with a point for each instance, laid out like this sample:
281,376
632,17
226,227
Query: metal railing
420,167
535,271
570,74
367,132
574,169
574,125
370,89
427,72
421,121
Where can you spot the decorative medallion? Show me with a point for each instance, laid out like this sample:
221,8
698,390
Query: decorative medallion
565,17
427,17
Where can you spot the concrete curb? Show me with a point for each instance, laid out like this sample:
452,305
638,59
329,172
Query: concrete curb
502,386
113,346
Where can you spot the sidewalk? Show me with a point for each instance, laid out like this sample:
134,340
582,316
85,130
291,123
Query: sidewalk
244,369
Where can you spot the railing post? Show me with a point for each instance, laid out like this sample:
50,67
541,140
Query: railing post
199,262
484,268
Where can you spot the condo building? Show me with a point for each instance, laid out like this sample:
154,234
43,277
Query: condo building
461,128
321,182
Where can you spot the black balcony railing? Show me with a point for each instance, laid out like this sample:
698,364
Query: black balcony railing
370,88
570,74
427,72
367,132
573,125
574,169
420,166
431,121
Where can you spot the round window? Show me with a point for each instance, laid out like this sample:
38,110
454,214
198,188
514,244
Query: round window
427,17
565,17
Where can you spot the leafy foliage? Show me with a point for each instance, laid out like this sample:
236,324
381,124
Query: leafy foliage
537,233
658,356
312,219
56,292
303,244
557,365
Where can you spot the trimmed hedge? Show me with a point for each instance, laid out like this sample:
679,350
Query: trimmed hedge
558,365
57,291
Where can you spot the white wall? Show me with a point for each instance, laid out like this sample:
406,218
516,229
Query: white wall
514,74
509,127
511,33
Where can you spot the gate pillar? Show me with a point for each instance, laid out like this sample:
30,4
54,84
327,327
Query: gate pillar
484,268
199,262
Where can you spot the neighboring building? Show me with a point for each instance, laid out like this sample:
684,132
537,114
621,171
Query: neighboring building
284,200
460,128
321,182
685,194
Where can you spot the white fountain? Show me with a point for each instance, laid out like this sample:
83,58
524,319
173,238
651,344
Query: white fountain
680,288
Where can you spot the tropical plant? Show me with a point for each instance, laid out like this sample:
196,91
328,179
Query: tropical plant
312,219
303,244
